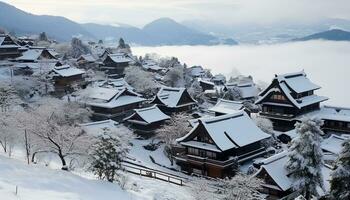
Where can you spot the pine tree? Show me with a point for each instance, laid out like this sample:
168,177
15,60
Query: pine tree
108,153
340,182
305,158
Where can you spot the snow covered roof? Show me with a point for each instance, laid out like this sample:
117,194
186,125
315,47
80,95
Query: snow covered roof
299,103
298,82
88,58
33,54
227,107
119,84
247,89
96,128
206,81
171,96
67,71
119,58
148,115
196,71
111,98
230,131
274,166
330,113
333,144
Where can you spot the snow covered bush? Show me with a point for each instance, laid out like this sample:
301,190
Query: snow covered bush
340,177
107,154
78,48
196,92
175,77
306,158
241,187
233,94
176,127
141,80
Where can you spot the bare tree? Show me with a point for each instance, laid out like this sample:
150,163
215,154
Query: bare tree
177,127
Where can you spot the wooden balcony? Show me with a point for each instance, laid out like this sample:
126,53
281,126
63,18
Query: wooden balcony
277,115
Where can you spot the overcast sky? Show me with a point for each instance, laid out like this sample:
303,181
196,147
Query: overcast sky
140,12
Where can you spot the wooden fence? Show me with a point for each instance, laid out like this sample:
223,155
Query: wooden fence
163,176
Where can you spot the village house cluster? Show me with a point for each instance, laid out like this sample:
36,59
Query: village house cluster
223,133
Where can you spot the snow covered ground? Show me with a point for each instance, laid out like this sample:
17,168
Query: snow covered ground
37,182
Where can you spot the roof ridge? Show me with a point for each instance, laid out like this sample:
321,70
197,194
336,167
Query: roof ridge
223,117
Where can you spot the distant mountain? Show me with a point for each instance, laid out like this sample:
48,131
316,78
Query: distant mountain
334,34
164,31
20,22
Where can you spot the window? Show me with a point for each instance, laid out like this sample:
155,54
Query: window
193,151
279,97
211,154
348,125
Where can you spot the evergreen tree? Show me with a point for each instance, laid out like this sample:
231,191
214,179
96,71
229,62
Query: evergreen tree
43,37
305,158
108,153
340,182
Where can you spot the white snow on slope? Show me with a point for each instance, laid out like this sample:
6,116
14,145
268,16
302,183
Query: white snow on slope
40,183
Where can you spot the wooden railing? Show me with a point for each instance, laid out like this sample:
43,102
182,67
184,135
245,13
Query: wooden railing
163,176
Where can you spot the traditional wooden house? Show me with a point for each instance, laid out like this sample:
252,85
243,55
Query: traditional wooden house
147,120
196,71
336,119
152,66
288,97
118,84
218,79
37,55
277,181
8,48
215,145
171,100
248,90
223,107
114,64
107,103
65,77
86,59
206,84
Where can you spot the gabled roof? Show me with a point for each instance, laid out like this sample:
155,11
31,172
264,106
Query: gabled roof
67,71
229,131
119,84
247,89
171,97
274,167
7,39
34,54
227,107
148,115
88,58
333,144
285,89
298,82
119,58
196,71
205,81
111,98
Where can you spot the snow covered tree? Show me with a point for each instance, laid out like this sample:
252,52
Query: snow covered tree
43,37
340,181
176,127
78,48
233,94
264,124
141,80
8,132
241,187
123,47
175,77
107,154
55,124
306,158
8,96
196,91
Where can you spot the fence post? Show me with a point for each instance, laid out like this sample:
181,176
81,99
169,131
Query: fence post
16,190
